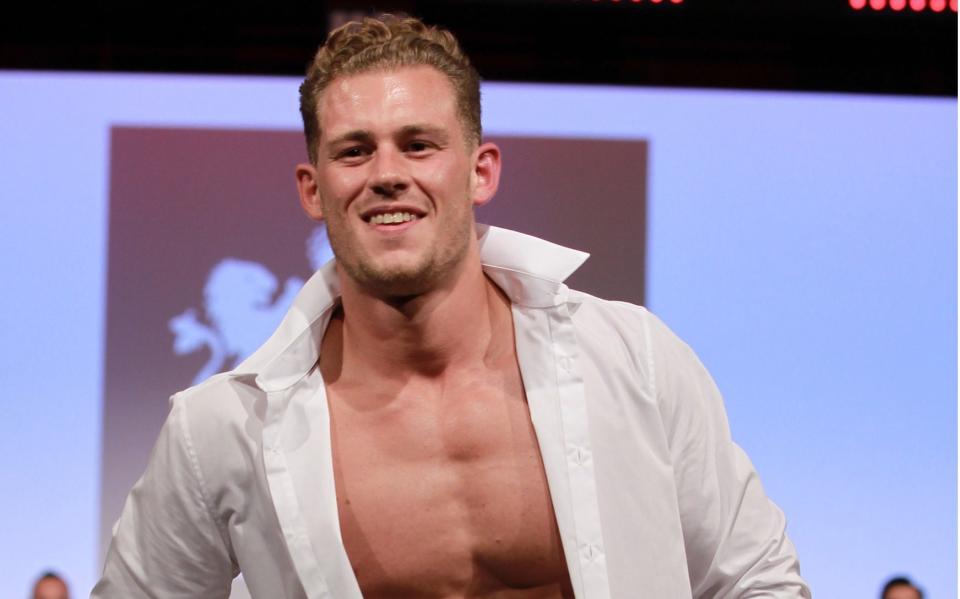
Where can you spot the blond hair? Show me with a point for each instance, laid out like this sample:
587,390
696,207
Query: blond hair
389,42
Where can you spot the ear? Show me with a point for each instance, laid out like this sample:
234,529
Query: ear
485,177
309,191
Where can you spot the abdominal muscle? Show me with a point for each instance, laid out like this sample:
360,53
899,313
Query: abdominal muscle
446,497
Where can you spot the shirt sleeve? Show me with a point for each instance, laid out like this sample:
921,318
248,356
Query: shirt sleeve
167,544
735,537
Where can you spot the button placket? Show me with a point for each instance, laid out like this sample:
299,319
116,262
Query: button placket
579,457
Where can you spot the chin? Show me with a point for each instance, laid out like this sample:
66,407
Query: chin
398,281
405,275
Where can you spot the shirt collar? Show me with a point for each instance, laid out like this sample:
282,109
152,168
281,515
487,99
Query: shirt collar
528,269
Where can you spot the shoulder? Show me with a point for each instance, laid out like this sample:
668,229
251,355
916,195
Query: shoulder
218,399
601,319
219,418
618,328
635,326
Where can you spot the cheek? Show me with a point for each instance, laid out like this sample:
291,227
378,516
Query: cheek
449,178
339,186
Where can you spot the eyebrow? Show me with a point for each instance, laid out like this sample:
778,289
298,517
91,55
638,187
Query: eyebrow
364,135
414,130
355,135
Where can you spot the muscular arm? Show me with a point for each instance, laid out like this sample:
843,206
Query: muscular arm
166,543
735,537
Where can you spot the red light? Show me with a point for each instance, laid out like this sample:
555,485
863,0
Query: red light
898,4
938,5
858,4
676,1
656,1
953,5
878,4
918,5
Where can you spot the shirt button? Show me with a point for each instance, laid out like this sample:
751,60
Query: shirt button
579,455
565,363
589,552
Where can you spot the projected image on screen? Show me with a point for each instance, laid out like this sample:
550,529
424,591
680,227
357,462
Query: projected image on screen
208,247
241,307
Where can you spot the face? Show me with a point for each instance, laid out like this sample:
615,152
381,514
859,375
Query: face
396,179
50,588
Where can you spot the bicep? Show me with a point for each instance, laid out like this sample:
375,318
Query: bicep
734,536
167,543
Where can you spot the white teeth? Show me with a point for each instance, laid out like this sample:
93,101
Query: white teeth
392,217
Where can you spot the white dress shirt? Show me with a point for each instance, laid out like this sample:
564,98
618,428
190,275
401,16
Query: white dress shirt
652,497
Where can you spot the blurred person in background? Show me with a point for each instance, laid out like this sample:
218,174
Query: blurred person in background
50,586
901,587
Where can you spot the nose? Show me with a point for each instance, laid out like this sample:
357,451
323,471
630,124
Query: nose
389,178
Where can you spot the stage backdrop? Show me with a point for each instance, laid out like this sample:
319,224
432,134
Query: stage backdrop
803,244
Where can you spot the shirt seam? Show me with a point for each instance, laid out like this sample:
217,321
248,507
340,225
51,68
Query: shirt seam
198,474
651,368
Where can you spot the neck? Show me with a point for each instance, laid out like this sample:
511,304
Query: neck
457,325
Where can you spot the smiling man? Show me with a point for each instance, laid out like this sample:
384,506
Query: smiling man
439,415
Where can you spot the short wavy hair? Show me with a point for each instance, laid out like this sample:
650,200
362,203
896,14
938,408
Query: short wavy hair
389,42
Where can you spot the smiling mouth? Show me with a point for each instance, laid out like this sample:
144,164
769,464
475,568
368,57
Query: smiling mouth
391,218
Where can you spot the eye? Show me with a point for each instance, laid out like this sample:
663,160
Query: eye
418,146
352,152
351,155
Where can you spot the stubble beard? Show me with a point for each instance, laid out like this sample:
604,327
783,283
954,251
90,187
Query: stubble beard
400,282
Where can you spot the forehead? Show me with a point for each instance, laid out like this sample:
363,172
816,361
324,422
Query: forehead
382,100
51,587
902,591
51,583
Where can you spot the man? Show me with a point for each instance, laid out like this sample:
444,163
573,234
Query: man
438,415
901,587
50,586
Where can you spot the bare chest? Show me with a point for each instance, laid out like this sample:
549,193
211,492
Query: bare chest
445,496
